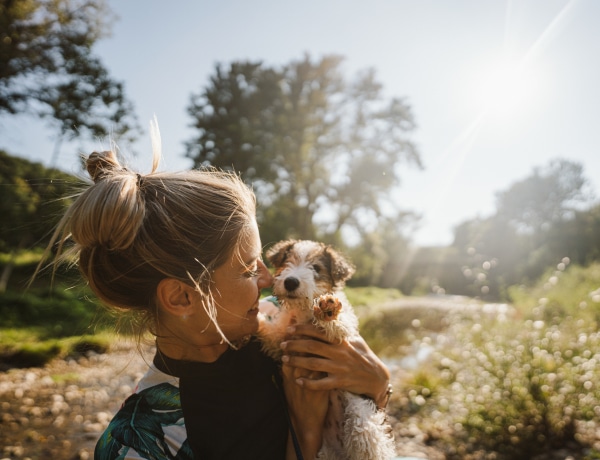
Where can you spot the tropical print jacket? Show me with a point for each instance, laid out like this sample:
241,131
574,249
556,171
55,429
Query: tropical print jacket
150,424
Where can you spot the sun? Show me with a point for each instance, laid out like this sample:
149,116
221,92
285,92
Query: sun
505,88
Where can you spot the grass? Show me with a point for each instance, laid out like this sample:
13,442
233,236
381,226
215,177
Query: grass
32,348
368,296
29,257
562,292
389,331
512,387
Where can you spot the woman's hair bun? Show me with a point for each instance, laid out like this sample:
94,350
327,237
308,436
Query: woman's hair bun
100,164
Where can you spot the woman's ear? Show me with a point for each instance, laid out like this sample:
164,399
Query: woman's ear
175,296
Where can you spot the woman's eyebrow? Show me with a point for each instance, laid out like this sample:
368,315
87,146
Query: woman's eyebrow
251,260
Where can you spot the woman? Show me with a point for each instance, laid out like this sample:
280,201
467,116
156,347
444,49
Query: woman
181,251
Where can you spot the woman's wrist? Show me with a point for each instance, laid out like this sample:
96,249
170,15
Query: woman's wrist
382,400
383,389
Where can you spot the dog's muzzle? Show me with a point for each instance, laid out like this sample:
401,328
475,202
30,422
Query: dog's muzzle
291,283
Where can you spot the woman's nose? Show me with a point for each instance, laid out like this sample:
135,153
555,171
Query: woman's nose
266,279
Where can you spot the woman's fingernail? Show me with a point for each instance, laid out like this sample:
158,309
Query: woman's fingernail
285,358
291,329
300,382
283,345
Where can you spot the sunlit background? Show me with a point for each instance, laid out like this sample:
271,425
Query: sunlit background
496,87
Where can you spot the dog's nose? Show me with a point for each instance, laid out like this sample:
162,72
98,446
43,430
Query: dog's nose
291,283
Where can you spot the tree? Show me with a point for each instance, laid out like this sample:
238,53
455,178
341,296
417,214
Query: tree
48,68
577,238
31,202
323,152
537,223
547,196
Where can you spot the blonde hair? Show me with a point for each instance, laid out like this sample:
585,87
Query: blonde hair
129,231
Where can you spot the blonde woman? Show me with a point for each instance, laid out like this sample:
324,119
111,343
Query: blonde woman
182,252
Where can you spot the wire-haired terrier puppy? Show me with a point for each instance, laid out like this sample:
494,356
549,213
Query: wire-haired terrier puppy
309,278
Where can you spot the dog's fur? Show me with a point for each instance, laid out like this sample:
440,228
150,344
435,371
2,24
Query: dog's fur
309,278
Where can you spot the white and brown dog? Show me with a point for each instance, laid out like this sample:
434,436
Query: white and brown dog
309,278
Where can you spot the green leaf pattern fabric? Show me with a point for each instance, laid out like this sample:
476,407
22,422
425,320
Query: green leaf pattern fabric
149,426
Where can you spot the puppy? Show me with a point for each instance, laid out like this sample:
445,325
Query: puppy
308,282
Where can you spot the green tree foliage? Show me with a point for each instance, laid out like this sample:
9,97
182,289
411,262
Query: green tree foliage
578,237
31,202
323,152
544,198
538,221
48,68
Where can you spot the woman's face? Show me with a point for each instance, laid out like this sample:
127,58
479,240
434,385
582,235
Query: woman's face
236,287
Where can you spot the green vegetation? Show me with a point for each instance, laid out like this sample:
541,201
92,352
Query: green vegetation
49,68
508,384
562,293
60,312
34,347
390,331
365,299
43,323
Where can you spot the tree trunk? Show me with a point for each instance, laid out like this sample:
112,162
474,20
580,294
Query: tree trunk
7,271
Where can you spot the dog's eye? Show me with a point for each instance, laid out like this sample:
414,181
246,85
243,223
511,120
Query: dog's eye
316,268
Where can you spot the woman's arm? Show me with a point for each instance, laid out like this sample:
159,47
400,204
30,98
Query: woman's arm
350,366
307,409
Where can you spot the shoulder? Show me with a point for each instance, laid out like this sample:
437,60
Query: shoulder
150,424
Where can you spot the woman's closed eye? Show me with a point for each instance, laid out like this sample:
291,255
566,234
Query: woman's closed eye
251,273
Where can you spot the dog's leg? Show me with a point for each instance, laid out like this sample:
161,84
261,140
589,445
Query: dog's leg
333,434
367,436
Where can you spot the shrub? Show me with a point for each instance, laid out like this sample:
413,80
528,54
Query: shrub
60,312
562,292
387,331
514,383
514,389
30,354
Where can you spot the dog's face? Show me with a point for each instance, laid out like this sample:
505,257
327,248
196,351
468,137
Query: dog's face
306,269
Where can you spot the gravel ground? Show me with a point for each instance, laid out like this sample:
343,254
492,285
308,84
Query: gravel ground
58,412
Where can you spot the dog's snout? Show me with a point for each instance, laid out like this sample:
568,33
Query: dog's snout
291,283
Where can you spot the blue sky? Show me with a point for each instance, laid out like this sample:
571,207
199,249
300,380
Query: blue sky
496,87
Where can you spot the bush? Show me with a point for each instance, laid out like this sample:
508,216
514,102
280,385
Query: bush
28,348
562,292
60,312
34,354
387,331
517,391
514,386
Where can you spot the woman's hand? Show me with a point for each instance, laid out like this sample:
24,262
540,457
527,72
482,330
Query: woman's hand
350,366
307,409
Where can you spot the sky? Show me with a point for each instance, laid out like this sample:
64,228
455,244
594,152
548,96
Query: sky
497,88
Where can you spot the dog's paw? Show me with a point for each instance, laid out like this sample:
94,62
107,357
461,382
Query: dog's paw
327,307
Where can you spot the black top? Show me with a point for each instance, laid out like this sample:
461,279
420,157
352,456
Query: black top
233,408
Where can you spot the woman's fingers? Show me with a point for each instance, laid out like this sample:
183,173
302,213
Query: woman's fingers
350,365
306,330
309,346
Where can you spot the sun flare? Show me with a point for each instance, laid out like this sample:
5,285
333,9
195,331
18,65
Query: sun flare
505,88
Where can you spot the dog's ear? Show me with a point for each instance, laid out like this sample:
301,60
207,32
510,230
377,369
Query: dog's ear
277,253
341,268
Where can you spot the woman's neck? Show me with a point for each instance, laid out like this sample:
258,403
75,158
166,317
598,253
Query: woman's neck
176,349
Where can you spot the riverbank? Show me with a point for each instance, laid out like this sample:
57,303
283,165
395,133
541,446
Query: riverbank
59,411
